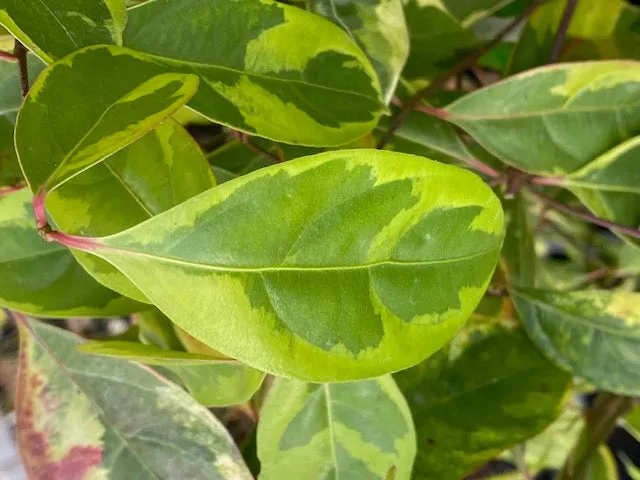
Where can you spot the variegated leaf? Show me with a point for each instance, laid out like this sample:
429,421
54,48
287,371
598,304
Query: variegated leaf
317,268
556,119
594,334
84,417
355,430
379,27
55,28
213,382
252,77
463,420
43,279
610,185
149,176
10,100
130,103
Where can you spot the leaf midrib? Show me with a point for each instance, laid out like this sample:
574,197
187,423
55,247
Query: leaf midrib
281,268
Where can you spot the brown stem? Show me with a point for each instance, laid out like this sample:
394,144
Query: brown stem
7,56
561,34
600,422
555,204
246,139
460,67
20,52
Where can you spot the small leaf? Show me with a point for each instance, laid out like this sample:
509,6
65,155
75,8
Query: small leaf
469,400
82,416
351,430
594,334
153,174
252,79
426,135
55,28
556,119
340,283
610,185
130,103
43,279
149,354
379,28
518,253
631,422
10,100
157,329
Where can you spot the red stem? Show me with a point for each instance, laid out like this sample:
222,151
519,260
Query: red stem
4,191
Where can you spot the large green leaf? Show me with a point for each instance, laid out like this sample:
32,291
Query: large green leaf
149,176
214,382
610,185
317,268
441,34
43,279
77,128
81,416
265,68
55,28
488,390
379,27
556,119
594,334
10,100
355,430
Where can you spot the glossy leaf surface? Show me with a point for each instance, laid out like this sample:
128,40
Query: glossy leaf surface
213,382
251,76
10,100
379,28
82,416
149,176
43,279
71,140
594,334
464,420
336,290
355,430
55,28
556,119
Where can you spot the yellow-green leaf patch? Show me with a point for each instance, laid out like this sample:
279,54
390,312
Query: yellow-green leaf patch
344,430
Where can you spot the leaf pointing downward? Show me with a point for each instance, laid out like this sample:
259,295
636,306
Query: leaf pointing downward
318,268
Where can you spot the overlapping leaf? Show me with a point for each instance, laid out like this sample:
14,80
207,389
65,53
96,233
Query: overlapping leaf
355,430
463,420
10,100
265,68
131,102
55,28
594,334
82,416
43,279
213,382
556,119
317,268
610,185
379,27
153,174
